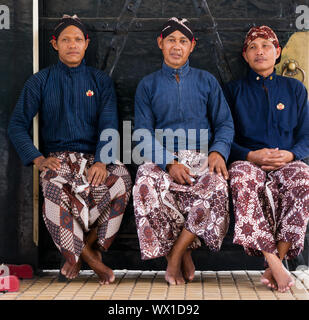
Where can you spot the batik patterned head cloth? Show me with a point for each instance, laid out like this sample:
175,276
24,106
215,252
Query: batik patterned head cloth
66,21
179,24
260,32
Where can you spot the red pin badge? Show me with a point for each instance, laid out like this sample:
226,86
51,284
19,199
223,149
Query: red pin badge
280,106
89,93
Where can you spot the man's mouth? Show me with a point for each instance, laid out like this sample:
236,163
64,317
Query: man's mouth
260,59
73,53
176,56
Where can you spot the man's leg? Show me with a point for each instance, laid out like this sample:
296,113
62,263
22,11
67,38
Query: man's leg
253,225
173,274
290,185
282,277
72,271
107,206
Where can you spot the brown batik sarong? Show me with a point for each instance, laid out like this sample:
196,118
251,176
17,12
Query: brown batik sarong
72,207
163,208
270,206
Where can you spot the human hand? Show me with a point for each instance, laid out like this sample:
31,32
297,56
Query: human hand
44,164
97,174
270,159
217,163
180,173
278,159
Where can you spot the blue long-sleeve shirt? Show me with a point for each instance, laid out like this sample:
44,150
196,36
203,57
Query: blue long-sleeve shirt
271,112
195,102
70,120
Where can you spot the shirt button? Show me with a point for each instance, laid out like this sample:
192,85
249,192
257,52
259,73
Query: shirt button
257,78
271,77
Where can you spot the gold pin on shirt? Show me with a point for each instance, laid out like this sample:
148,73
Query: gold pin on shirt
89,93
280,106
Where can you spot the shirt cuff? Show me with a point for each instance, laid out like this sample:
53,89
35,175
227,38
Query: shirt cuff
222,148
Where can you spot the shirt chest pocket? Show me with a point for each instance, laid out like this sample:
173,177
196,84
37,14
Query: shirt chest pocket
287,120
87,110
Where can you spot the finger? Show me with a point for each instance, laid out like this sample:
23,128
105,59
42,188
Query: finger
187,177
211,167
218,170
95,179
188,172
98,180
179,179
90,175
225,172
104,175
53,166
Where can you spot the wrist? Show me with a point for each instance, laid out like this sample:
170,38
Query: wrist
37,161
249,156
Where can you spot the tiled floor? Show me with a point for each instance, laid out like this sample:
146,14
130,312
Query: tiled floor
150,285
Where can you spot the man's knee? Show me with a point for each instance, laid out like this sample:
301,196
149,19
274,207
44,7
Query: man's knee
245,173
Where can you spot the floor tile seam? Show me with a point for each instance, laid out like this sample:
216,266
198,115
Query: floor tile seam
119,281
27,288
219,285
253,284
151,285
80,288
58,290
236,285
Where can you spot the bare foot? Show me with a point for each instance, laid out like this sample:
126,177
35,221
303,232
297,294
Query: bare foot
173,274
66,267
280,274
73,272
188,266
268,279
94,260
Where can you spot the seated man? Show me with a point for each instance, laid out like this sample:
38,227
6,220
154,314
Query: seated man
270,186
84,197
174,204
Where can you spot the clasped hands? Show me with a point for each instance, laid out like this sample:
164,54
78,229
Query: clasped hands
181,174
270,159
96,174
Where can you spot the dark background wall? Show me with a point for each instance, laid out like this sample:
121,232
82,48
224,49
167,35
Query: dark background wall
16,243
123,43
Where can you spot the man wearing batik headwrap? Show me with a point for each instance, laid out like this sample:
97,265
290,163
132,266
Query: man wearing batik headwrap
85,192
269,183
175,204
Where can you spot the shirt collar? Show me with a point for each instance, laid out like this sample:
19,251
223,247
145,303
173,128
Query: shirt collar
67,69
182,71
259,80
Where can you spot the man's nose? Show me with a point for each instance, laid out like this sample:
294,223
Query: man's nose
259,51
176,45
72,44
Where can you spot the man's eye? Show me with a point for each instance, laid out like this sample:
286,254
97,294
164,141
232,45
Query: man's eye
183,41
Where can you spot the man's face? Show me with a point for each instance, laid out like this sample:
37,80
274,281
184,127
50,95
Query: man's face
261,56
71,46
176,49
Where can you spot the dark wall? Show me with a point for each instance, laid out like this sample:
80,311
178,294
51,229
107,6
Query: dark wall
123,43
16,245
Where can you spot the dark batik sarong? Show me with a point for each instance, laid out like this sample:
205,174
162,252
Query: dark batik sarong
270,206
72,207
163,208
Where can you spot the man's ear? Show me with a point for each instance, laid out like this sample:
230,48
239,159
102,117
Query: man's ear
278,52
245,56
53,42
193,44
160,42
87,43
